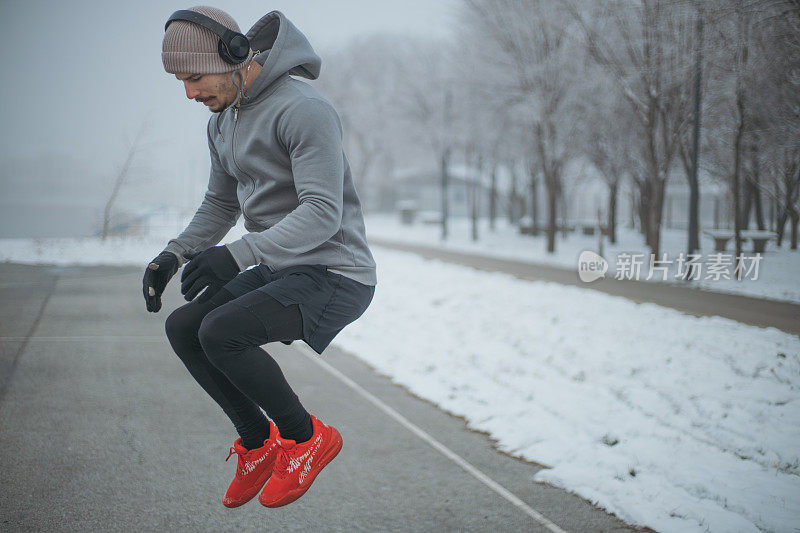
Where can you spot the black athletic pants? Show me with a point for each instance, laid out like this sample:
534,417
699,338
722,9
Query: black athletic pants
219,342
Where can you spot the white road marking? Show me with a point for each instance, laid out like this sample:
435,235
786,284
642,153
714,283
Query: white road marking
403,421
438,446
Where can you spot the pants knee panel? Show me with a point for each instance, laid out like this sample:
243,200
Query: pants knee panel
181,323
217,334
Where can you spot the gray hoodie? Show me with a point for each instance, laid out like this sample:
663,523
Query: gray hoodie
277,159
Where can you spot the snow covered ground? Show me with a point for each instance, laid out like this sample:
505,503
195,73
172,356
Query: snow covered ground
778,269
671,421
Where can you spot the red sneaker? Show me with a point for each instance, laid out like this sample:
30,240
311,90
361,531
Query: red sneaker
252,469
299,463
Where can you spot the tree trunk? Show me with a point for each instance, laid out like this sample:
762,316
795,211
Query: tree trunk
120,180
772,210
534,198
613,188
563,213
476,190
781,226
493,197
737,164
757,193
656,214
552,210
747,202
516,201
740,127
445,163
644,210
694,189
694,215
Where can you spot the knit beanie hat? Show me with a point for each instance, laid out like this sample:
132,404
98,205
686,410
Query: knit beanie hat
191,48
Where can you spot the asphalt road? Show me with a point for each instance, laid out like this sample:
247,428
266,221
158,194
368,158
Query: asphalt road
698,302
102,428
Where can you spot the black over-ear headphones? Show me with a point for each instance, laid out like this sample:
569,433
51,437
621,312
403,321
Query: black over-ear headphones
233,47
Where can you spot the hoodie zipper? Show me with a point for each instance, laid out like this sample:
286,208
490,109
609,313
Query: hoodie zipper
233,154
233,157
219,131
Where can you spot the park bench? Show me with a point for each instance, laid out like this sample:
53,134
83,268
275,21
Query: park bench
407,210
759,238
590,228
432,218
721,238
525,225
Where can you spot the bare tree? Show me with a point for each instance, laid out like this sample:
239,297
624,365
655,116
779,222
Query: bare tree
757,105
651,66
476,125
425,104
778,42
742,66
365,103
608,135
782,170
515,201
528,41
122,177
505,146
689,145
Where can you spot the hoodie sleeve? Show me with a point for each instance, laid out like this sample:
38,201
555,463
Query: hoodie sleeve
216,215
312,134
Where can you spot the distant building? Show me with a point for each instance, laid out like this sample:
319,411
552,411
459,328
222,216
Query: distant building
583,196
424,188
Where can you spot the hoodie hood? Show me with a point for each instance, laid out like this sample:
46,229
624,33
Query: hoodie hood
283,49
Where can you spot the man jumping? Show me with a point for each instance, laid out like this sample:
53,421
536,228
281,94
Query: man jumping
277,159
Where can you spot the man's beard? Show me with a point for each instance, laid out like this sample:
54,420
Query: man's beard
230,96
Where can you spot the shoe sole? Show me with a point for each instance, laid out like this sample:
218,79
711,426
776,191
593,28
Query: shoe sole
292,495
257,488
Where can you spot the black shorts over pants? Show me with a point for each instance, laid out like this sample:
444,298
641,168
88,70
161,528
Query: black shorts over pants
328,301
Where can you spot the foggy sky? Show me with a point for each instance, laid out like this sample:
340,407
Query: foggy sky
80,78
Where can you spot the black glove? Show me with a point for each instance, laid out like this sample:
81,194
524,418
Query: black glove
156,275
211,268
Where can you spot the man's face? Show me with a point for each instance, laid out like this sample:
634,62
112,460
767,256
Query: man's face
217,91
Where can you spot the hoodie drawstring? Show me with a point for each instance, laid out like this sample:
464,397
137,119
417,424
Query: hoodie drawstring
235,104
239,93
219,131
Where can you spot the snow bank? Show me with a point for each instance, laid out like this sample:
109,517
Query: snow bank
671,421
